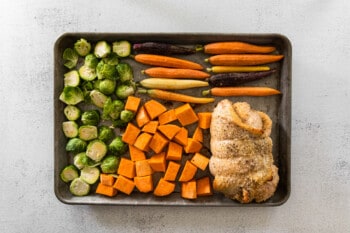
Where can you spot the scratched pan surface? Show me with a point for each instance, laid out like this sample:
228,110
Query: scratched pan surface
277,107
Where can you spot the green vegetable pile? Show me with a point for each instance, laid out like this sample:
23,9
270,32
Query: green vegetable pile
96,86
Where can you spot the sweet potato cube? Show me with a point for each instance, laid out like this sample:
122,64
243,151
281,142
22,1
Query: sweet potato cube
144,183
181,137
167,117
150,127
172,171
142,117
186,115
158,142
174,151
189,190
204,187
124,185
132,103
126,168
188,172
106,190
136,154
142,141
200,161
158,162
169,130
192,146
130,134
154,108
143,168
198,134
106,179
204,119
164,188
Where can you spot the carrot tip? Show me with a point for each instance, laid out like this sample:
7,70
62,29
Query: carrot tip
209,69
141,91
199,48
206,60
205,92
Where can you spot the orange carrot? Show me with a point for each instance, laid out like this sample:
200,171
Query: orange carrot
154,108
173,96
198,134
236,47
241,91
142,141
144,183
162,72
158,162
166,61
124,185
158,142
167,117
204,119
136,154
189,190
132,103
182,136
142,117
204,187
171,171
143,168
106,190
106,179
164,188
186,115
130,134
169,130
126,168
174,151
188,172
243,59
192,146
200,161
150,127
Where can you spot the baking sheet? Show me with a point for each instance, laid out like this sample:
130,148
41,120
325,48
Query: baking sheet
277,107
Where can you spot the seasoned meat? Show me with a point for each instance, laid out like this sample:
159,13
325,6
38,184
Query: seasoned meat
241,147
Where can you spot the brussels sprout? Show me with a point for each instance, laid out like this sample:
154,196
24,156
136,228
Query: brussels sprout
88,132
96,150
118,123
105,133
70,57
72,112
111,59
81,160
69,173
91,61
104,70
122,48
98,98
90,117
90,174
112,109
125,72
123,91
71,78
78,187
87,73
126,115
107,86
110,164
117,146
70,129
71,95
76,145
102,49
82,47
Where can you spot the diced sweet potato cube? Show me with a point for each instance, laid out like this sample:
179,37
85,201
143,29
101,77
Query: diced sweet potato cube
143,168
172,171
174,151
126,168
124,185
198,134
154,108
193,146
186,115
142,141
189,190
130,134
132,103
150,127
188,172
164,188
204,120
107,179
106,190
142,117
158,162
158,142
204,187
181,137
169,130
136,154
144,183
167,117
200,161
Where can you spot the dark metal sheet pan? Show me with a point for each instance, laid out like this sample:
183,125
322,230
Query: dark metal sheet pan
277,107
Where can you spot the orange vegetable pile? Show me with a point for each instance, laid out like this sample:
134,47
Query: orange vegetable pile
162,155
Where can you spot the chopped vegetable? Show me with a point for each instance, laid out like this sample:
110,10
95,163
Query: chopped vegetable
107,86
96,150
204,187
123,91
76,145
154,108
164,188
70,129
172,171
142,117
143,168
158,142
198,134
107,179
189,190
88,132
186,115
111,59
71,95
204,119
72,78
132,103
105,70
125,72
127,115
200,161
98,98
105,133
142,141
166,61
117,146
150,127
112,109
124,185
158,162
106,190
122,48
243,59
188,172
69,173
144,184
236,47
90,117
82,47
70,58
110,164
130,134
193,146
81,160
126,168
72,112
102,49
87,73
172,84
169,130
241,91
136,154
91,61
90,174
182,136
79,187
174,151
167,117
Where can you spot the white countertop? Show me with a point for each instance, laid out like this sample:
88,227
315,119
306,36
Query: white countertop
320,36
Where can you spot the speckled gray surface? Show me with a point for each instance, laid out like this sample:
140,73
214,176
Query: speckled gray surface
320,35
